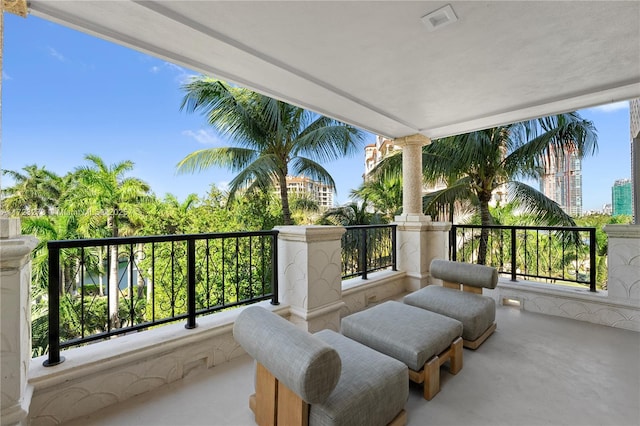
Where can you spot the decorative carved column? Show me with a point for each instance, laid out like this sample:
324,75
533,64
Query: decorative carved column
623,262
412,173
15,321
419,239
310,275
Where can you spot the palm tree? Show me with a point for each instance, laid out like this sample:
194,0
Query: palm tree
274,139
350,214
479,163
384,192
35,192
108,197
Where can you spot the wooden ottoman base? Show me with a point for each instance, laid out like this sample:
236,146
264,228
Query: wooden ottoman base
430,373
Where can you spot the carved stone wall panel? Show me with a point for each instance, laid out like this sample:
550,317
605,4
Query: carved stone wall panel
604,311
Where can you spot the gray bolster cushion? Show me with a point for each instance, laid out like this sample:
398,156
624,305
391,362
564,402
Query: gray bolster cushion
305,364
464,273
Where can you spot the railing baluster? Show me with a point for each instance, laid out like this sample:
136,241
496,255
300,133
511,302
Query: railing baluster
274,268
514,261
191,284
54,357
592,260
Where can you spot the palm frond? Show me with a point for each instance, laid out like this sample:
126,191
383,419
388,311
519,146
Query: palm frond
234,158
311,169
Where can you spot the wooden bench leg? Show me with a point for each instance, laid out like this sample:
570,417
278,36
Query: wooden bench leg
455,360
264,404
431,378
474,344
400,419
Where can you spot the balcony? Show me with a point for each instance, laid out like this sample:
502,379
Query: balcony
579,372
535,369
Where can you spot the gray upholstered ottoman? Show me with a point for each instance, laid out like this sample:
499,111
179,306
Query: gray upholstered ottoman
422,340
476,313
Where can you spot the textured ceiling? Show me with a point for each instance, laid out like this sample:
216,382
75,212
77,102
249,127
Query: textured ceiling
375,64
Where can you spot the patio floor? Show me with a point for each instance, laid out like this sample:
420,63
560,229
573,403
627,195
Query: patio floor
535,370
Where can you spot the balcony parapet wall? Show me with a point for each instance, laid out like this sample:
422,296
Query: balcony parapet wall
15,329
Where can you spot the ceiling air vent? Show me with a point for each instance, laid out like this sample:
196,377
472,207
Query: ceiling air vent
439,18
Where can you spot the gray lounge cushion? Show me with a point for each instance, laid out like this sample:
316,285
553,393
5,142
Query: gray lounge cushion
406,333
305,364
372,389
464,273
476,312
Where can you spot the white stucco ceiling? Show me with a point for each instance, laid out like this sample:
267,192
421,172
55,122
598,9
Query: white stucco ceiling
375,65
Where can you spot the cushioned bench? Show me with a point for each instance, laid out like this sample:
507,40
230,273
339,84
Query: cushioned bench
422,340
476,312
319,379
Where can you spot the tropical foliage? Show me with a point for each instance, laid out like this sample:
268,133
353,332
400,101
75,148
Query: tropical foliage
273,139
475,165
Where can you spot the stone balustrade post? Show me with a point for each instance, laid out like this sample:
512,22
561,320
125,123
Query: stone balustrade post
419,242
15,321
623,260
310,275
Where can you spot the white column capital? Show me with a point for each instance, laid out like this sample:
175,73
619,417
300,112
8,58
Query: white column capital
412,140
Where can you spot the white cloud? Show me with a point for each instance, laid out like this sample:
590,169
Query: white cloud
204,136
182,76
616,106
53,52
6,76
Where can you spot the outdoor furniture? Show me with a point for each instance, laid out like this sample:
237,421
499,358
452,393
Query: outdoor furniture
476,312
319,379
422,340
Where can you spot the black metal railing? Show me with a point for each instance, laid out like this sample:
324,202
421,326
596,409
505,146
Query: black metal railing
552,254
368,248
112,286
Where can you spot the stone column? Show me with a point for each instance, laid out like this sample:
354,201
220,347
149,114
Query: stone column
15,321
310,275
623,262
419,239
412,173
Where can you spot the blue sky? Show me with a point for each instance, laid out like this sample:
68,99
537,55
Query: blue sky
66,94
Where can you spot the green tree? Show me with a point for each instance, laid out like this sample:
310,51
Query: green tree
36,192
384,192
354,213
108,196
485,160
273,138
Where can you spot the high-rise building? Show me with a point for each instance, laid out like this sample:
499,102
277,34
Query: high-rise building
562,181
621,197
319,192
634,124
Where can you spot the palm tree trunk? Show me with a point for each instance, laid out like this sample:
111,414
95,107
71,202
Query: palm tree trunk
284,197
485,220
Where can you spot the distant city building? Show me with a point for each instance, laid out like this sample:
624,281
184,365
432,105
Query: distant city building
621,197
562,181
634,128
607,209
319,192
376,152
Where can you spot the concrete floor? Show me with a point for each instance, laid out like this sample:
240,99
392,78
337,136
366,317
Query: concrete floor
535,370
